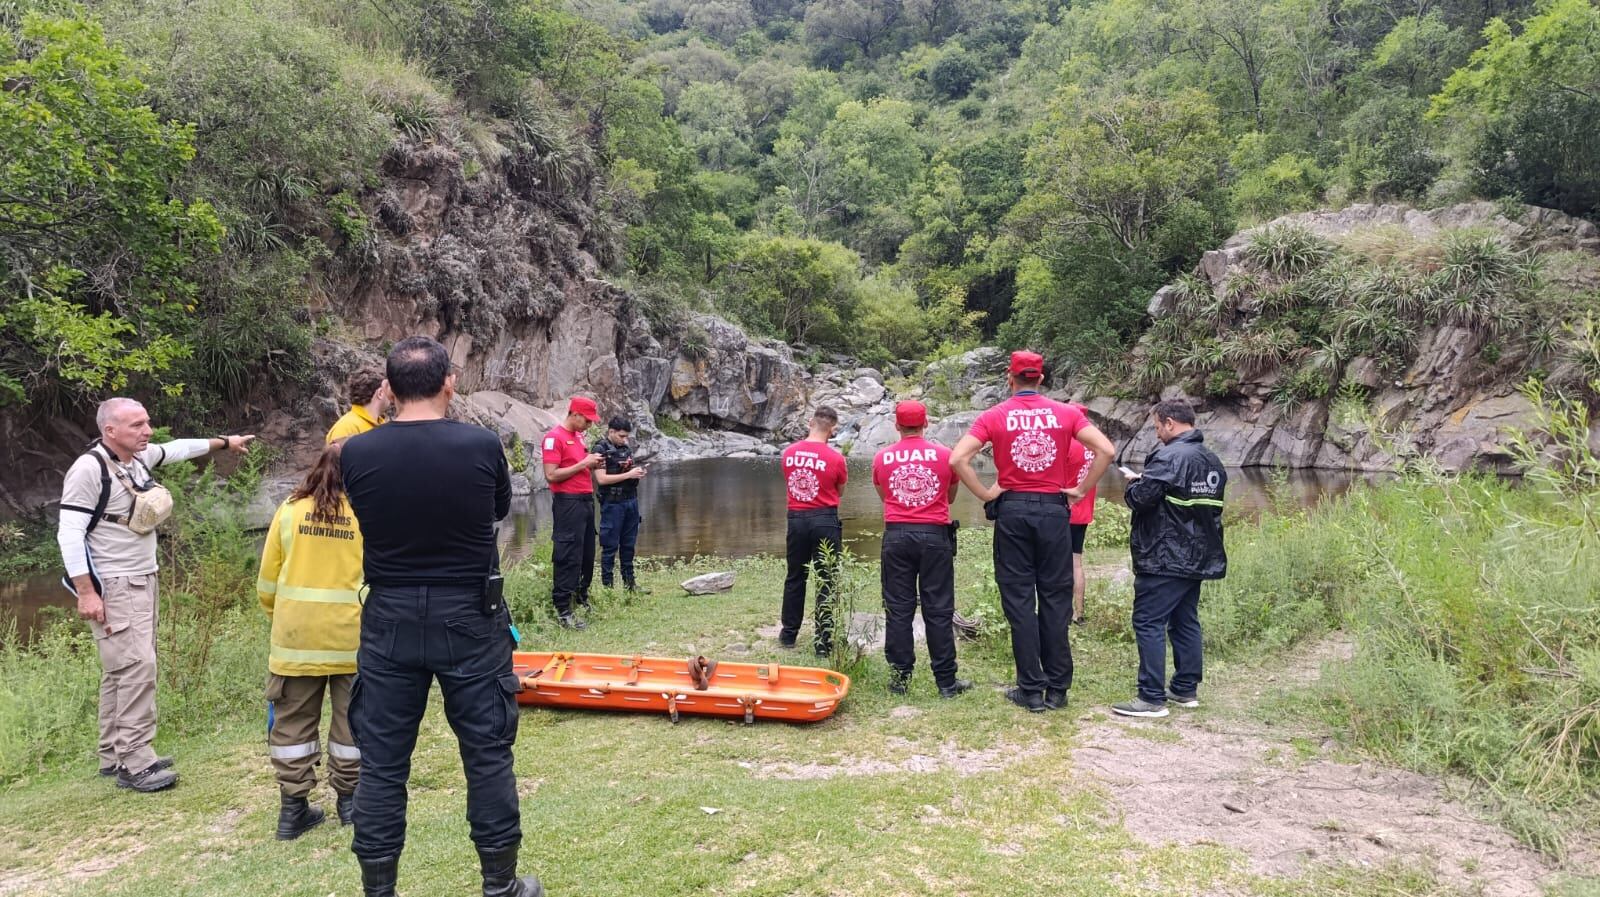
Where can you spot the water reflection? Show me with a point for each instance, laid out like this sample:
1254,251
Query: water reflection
734,507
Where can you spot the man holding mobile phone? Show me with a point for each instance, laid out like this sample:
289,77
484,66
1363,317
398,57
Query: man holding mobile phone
568,467
1176,545
619,502
427,492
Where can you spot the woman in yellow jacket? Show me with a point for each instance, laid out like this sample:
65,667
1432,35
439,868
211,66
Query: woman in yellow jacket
309,586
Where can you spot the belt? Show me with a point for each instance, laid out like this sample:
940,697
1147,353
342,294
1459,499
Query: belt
572,496
1044,498
419,587
815,512
941,529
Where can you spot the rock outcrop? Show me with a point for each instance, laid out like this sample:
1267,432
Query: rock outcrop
1451,403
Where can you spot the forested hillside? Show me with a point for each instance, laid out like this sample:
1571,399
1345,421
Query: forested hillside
187,185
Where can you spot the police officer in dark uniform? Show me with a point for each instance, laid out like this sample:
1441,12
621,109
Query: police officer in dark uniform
619,502
1032,535
1176,545
427,492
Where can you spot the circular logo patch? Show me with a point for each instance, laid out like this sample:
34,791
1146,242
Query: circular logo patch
914,486
1033,451
803,485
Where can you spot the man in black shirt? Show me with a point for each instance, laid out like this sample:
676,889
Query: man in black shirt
427,492
619,502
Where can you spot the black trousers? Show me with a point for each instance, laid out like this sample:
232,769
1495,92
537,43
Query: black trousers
1167,608
572,533
918,566
1033,569
810,533
409,637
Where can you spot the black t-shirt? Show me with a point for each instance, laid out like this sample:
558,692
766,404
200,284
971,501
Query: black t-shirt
427,495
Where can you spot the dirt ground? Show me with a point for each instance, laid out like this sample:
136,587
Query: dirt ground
1205,776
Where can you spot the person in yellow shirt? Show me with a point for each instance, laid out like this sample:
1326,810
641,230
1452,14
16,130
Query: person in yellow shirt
310,577
369,397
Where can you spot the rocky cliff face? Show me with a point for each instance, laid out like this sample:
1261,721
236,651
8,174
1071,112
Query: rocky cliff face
508,276
1450,403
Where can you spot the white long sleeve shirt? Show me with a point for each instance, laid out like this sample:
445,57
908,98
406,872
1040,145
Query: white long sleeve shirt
116,550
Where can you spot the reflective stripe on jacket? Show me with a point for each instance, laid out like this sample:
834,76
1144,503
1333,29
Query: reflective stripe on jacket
309,586
1177,511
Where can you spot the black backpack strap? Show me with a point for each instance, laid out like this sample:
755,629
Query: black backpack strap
98,512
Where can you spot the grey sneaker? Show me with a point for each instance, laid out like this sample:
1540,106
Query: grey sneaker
568,621
1183,700
1140,707
150,779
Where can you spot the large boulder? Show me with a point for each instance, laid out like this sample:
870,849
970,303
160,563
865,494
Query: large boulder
731,381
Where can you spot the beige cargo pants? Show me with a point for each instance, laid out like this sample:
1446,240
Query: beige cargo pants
127,645
293,742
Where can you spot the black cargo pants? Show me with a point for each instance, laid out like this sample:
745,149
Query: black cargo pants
1033,570
572,533
410,636
918,566
812,534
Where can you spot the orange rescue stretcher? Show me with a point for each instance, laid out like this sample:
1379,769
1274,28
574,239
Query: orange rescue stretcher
694,685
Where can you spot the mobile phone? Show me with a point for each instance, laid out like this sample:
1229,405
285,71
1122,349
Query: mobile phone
494,593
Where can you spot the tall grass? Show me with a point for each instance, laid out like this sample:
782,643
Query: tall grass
211,637
1474,606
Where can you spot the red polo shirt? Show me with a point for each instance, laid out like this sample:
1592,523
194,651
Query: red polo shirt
813,474
1030,435
564,448
914,476
1078,460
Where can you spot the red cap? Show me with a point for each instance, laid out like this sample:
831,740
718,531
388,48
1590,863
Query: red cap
1025,362
911,414
585,407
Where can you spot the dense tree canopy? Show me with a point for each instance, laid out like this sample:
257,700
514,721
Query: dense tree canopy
893,178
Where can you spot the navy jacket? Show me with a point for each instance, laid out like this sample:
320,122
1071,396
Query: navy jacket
1177,512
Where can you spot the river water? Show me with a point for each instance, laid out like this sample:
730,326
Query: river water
733,507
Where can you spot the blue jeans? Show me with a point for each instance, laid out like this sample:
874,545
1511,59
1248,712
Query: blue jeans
1166,608
619,532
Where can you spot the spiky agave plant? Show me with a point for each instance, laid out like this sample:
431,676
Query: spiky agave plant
1287,250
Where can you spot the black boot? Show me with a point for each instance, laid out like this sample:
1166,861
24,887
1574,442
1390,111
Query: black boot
346,805
296,817
500,875
378,876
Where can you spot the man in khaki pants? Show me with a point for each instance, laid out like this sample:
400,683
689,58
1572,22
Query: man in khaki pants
112,569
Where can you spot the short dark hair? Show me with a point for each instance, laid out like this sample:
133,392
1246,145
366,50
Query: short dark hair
1029,377
825,415
1174,410
417,368
621,423
363,384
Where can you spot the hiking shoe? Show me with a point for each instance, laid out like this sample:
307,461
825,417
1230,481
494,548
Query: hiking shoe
823,651
1140,707
955,688
568,621
296,817
1055,698
109,771
1031,701
346,805
635,588
1183,700
899,683
152,778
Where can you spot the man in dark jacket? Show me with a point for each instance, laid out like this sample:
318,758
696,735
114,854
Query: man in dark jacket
1176,544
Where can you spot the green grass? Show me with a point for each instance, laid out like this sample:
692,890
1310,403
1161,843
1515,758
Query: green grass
612,804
